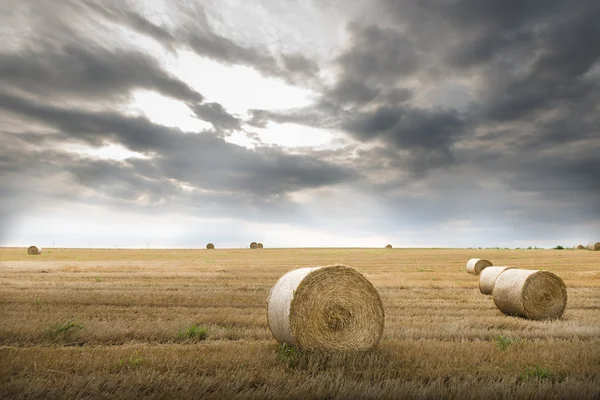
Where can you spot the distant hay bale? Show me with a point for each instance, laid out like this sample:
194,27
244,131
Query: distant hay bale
578,247
210,246
259,245
254,245
476,265
332,308
488,277
34,250
530,294
594,246
389,246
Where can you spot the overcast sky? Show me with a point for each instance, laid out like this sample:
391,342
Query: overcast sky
459,123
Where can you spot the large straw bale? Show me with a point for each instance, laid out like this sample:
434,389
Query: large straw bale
34,250
578,247
476,265
332,308
530,294
254,245
389,246
487,278
594,246
259,245
210,246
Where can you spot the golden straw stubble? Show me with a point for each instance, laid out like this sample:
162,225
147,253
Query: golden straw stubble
530,294
332,308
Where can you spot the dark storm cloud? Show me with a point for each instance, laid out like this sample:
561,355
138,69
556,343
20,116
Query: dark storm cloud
299,65
372,66
526,61
201,160
84,69
408,127
216,114
531,55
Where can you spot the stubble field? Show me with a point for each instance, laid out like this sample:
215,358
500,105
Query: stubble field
77,323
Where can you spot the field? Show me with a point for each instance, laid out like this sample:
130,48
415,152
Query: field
78,323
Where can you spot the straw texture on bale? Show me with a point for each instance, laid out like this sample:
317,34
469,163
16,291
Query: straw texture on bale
389,246
34,250
487,278
476,265
254,245
530,294
210,246
578,247
259,245
594,246
332,308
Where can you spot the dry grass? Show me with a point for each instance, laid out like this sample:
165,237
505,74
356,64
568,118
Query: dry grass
103,323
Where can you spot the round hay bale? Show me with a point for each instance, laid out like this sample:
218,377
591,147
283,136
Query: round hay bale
210,246
259,245
594,246
389,246
476,265
530,294
578,247
332,308
254,245
487,278
34,250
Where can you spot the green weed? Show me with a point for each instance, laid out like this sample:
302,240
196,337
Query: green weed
64,328
289,355
539,373
133,361
504,342
193,332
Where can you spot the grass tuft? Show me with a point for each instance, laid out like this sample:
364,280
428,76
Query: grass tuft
289,355
63,328
539,373
194,332
134,361
504,342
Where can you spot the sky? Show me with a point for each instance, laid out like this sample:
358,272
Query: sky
313,123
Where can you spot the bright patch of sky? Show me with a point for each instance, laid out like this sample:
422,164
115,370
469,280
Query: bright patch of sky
237,88
108,152
165,111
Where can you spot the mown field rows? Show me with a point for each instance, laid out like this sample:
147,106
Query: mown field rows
131,312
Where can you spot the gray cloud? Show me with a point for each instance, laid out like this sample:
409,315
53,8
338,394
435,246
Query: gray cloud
87,70
201,160
216,114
